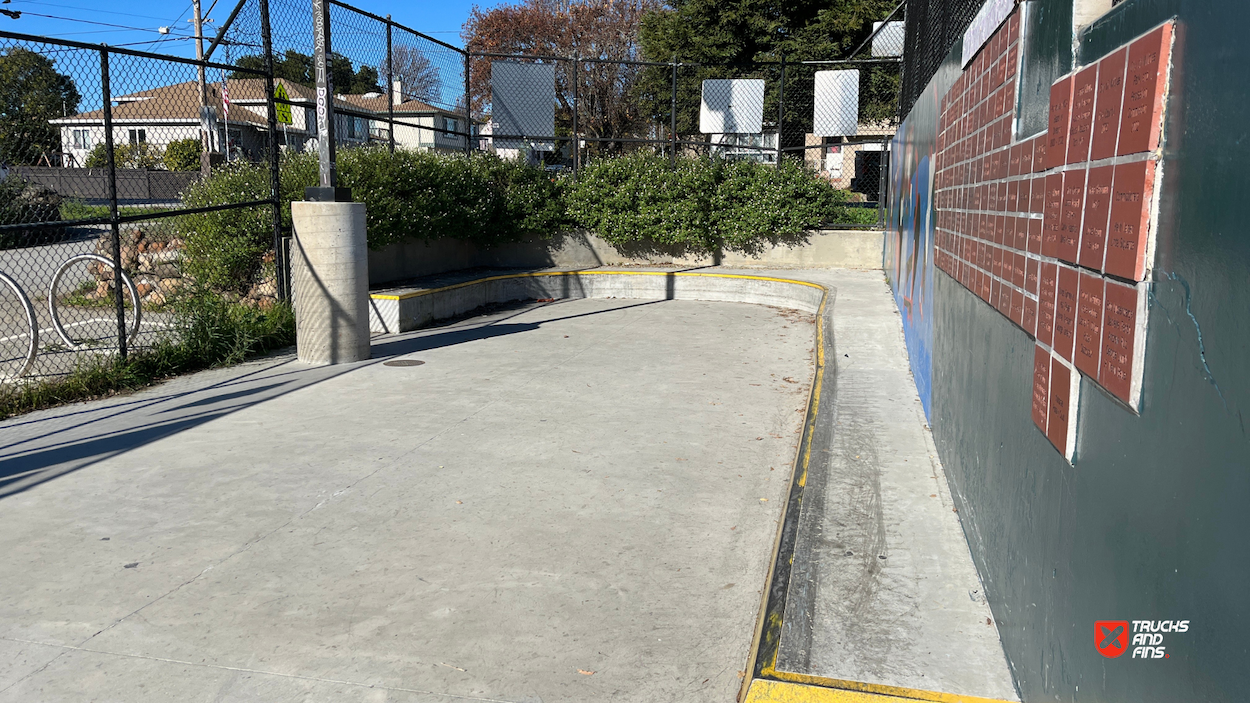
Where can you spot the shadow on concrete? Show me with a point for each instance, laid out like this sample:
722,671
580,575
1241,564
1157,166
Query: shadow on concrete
53,447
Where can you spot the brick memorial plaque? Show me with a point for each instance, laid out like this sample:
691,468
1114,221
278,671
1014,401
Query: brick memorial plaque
1060,119
1040,159
1030,316
1041,387
1013,164
1013,197
1097,215
1123,341
1047,285
1026,157
997,265
1085,354
1144,81
1037,195
1131,192
1065,312
1017,270
1084,88
1069,248
1035,236
1021,226
1107,105
1030,276
1017,307
1061,419
1052,214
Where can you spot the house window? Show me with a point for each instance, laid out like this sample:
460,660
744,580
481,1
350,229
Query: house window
82,138
138,136
451,125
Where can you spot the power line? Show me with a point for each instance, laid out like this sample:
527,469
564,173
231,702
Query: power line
101,24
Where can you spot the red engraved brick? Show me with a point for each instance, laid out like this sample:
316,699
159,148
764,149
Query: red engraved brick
1013,196
1052,215
1084,88
1013,27
1144,82
1065,312
997,266
1030,316
1017,307
1035,236
1041,387
1097,215
1030,276
1120,370
1013,159
986,289
1069,248
1037,195
1017,269
1085,353
1004,300
1107,105
1060,425
1021,242
1060,118
1013,62
995,289
1000,230
1047,286
1131,193
1026,157
1040,159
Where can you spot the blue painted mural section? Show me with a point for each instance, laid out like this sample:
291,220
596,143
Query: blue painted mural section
909,238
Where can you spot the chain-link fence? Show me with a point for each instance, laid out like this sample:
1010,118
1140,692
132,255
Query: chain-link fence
97,147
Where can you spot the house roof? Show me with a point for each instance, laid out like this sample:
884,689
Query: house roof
178,102
376,103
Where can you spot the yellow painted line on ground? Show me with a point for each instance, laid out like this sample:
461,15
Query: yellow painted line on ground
765,691
542,274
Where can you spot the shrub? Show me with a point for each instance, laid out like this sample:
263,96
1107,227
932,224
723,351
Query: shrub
183,154
224,248
138,156
703,205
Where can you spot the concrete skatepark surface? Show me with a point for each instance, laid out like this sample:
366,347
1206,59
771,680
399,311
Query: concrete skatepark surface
573,500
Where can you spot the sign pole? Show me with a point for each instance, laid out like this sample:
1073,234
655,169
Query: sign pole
326,190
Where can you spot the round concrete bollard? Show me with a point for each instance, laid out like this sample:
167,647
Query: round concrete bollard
330,282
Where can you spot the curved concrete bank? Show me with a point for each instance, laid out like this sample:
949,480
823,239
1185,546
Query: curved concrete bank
404,310
781,663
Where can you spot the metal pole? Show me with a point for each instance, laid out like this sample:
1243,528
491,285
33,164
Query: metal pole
576,137
781,106
325,94
390,87
205,140
468,108
106,93
275,182
673,114
882,184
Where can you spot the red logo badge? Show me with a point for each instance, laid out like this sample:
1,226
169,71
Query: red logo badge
1111,637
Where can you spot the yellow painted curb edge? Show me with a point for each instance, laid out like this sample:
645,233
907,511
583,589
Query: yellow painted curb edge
831,691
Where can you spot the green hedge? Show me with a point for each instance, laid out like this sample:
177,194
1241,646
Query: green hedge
643,201
703,205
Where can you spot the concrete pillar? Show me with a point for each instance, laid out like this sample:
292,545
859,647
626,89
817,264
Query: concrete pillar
330,282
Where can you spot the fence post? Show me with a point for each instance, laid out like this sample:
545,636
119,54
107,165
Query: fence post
275,177
327,176
576,138
468,108
781,106
672,128
106,94
881,188
390,87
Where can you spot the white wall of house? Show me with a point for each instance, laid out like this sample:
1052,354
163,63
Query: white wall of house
78,140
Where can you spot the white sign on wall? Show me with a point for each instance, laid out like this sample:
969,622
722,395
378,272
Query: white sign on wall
836,108
523,103
984,25
734,106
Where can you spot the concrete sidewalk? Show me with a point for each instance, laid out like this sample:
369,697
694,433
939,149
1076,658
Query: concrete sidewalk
570,501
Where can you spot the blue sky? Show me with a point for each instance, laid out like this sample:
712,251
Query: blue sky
137,21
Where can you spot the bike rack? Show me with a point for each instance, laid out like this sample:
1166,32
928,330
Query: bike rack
33,349
130,288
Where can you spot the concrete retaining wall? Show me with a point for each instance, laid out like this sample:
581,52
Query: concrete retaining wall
853,249
401,311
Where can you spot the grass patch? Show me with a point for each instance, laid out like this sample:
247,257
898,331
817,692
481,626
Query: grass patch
210,332
78,210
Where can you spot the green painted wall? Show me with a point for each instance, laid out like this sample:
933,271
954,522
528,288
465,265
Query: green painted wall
1153,521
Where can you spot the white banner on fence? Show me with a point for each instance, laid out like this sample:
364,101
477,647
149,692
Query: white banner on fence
733,106
836,107
984,25
889,41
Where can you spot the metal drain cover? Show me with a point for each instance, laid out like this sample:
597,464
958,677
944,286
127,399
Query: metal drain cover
403,362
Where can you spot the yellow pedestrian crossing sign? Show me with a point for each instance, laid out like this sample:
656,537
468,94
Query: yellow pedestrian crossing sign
282,110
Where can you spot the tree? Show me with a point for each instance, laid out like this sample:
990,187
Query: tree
724,36
413,69
31,93
589,29
298,68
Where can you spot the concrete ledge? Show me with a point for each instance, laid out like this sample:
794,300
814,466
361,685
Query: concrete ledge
850,249
402,310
